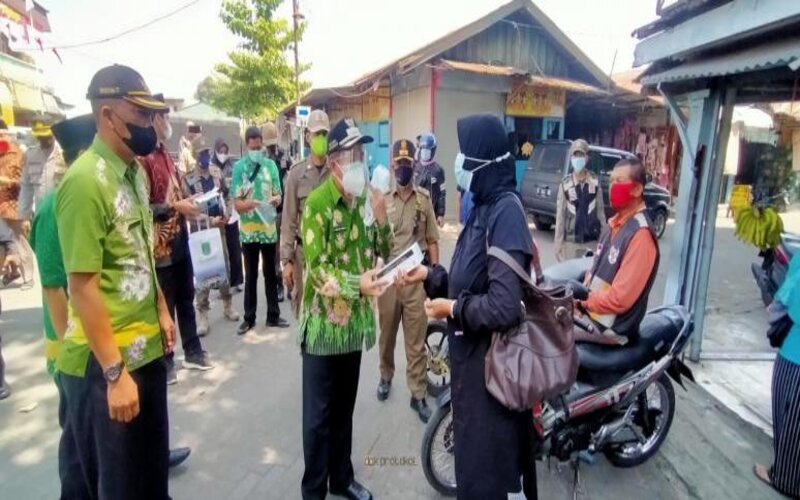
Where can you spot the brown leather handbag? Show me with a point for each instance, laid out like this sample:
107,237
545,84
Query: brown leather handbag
537,359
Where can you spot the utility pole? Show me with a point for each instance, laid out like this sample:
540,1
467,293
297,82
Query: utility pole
295,17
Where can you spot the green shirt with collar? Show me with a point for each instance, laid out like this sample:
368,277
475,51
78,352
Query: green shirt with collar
265,185
105,227
338,248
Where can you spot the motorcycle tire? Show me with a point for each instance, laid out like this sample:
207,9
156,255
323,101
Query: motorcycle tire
442,417
615,453
436,383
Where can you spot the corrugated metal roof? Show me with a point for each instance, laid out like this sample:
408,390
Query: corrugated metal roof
544,81
767,56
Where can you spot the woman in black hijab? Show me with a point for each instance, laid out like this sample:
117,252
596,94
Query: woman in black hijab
493,445
221,159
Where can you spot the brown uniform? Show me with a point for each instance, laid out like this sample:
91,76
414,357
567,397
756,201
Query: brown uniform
302,178
412,221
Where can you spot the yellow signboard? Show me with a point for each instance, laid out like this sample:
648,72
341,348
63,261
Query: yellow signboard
535,101
740,197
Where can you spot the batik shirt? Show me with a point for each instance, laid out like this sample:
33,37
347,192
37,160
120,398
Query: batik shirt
338,248
105,227
265,185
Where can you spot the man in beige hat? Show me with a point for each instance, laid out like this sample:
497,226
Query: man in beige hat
303,178
580,214
43,169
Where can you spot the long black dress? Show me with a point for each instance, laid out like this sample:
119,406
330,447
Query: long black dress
493,445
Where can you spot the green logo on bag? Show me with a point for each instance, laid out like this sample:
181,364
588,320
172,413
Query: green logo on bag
206,248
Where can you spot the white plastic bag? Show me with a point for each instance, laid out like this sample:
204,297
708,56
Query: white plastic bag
208,258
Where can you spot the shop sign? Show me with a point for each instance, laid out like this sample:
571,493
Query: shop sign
536,101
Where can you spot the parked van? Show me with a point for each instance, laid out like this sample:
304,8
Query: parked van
550,163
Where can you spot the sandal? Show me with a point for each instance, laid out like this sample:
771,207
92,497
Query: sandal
763,473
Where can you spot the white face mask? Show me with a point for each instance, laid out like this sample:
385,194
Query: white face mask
222,157
354,179
464,177
425,154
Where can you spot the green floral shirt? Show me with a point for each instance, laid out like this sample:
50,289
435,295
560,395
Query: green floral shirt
105,227
338,247
266,185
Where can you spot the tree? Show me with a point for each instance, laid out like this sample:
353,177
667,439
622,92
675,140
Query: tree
258,79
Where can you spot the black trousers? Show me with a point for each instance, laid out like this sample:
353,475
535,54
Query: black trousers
177,285
234,254
266,252
121,461
69,465
330,385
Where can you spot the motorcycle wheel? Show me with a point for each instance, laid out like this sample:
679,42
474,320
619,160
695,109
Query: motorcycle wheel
438,452
661,394
438,373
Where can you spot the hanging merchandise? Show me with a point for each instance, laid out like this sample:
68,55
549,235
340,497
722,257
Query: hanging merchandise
759,226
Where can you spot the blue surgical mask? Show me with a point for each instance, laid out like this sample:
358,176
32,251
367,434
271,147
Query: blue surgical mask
578,164
464,177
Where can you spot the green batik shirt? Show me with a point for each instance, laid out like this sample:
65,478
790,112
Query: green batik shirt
44,241
338,248
105,227
265,185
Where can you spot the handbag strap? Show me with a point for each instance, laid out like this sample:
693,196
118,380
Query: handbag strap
508,260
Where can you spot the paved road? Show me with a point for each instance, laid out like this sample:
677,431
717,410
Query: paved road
243,421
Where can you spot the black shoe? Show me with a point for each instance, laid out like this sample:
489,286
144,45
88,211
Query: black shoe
244,327
197,361
178,456
384,386
281,294
172,373
5,391
277,323
421,407
354,492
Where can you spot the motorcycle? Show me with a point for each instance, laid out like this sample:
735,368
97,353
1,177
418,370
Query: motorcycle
770,273
622,404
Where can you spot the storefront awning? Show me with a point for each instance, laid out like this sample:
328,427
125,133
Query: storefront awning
541,81
6,104
28,98
766,56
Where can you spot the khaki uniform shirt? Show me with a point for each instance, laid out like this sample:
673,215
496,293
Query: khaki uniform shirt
412,220
302,178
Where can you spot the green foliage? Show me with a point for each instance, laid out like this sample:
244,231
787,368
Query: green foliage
258,80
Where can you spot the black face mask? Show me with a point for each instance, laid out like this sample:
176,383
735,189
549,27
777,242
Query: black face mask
403,175
143,140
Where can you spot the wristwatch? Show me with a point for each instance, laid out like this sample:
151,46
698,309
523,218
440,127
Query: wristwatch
114,372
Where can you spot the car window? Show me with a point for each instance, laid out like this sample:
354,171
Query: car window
601,163
549,157
595,164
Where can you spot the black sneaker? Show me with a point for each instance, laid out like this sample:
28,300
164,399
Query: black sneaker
421,407
281,294
277,323
244,327
384,386
355,491
197,361
5,391
178,455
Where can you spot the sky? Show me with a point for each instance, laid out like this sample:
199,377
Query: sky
344,38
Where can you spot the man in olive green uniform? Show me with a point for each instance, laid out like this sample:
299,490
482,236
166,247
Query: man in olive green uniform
303,178
204,178
413,220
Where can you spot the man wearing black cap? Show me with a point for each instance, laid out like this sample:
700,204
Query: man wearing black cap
337,320
119,327
256,187
413,220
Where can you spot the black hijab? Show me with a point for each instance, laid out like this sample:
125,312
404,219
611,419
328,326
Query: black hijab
484,137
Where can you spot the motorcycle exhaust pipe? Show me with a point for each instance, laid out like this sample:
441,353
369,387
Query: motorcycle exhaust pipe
610,430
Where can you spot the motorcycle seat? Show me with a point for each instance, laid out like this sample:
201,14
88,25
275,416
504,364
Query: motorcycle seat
657,331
